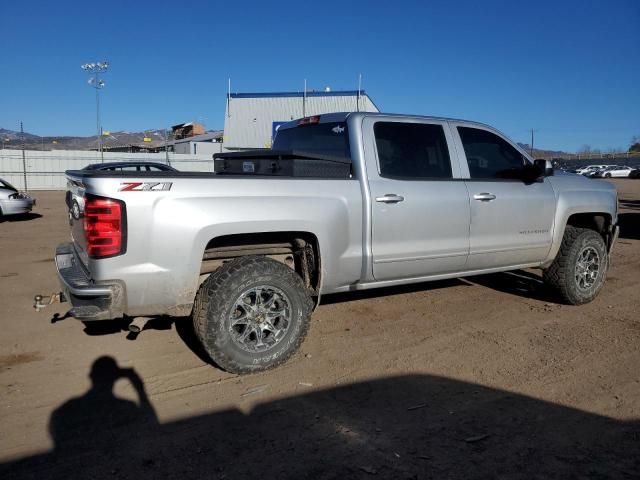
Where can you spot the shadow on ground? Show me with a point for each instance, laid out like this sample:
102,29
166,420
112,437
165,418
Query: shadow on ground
629,225
518,282
415,426
23,217
388,291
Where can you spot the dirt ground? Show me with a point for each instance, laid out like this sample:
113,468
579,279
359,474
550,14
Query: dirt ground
479,378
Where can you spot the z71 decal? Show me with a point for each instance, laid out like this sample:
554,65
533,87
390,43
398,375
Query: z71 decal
145,186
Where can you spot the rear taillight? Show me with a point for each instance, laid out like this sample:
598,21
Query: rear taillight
104,226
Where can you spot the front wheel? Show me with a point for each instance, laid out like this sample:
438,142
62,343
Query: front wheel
578,272
252,314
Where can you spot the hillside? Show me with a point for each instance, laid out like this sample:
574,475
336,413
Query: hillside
12,139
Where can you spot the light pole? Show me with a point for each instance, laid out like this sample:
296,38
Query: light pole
95,69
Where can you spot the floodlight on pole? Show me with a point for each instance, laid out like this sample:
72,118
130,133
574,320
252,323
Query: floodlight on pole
95,69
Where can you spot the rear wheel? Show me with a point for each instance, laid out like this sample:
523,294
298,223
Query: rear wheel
578,272
252,314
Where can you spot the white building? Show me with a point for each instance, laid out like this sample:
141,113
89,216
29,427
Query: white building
208,143
251,119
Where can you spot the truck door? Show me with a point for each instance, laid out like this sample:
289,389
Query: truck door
511,221
419,208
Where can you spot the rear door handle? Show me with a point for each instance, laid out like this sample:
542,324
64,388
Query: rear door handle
484,197
390,198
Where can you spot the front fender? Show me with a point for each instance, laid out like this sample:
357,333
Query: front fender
596,202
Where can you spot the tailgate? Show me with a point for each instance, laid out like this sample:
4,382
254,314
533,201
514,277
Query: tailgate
75,200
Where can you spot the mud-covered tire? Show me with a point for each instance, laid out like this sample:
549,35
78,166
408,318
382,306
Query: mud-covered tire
572,282
218,300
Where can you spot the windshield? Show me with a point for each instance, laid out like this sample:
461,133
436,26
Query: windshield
327,138
6,184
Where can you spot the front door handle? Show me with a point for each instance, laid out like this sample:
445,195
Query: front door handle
484,197
390,198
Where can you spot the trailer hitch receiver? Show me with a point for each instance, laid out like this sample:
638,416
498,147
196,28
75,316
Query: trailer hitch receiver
43,301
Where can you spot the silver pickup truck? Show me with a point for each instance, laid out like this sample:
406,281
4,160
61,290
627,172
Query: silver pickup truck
344,201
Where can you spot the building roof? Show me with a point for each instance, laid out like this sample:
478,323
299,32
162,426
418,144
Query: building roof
205,137
309,93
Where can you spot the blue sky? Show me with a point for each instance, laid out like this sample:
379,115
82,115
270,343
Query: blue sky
569,69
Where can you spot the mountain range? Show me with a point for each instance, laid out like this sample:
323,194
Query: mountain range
14,140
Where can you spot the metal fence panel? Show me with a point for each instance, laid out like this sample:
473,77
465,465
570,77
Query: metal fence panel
45,170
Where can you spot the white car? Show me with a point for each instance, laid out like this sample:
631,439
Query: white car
590,169
615,171
13,202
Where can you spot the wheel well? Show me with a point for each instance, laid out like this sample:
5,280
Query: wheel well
600,222
298,250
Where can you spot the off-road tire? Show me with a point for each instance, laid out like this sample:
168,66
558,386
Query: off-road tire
216,300
560,276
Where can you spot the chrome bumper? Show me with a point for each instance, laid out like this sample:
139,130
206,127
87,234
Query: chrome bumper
17,206
91,301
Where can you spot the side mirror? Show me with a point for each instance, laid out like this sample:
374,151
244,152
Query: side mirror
545,167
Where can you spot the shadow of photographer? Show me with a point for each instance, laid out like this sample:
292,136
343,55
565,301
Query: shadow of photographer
99,419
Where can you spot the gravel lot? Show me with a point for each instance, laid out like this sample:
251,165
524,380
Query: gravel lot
478,378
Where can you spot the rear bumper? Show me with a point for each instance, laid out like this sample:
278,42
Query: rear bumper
90,300
17,206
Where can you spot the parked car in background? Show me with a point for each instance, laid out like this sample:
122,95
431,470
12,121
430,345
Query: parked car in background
595,173
131,167
614,171
75,191
13,202
635,173
589,169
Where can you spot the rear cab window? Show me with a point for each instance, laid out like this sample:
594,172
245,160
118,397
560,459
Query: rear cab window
330,138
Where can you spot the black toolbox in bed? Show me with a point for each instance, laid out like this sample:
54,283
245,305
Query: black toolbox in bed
282,163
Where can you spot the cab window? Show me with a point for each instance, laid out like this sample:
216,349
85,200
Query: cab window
412,150
490,156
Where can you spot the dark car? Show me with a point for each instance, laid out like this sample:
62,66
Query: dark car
131,167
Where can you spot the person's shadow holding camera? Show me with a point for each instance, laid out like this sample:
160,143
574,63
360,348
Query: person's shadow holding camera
99,419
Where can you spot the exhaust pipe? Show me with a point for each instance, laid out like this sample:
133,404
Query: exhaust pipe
137,324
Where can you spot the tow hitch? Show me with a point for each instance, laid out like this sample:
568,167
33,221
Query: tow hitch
43,301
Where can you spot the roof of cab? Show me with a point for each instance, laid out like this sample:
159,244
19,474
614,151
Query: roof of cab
343,116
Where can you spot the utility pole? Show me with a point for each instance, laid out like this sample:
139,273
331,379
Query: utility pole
24,160
304,99
166,148
531,142
95,69
359,88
